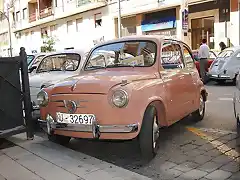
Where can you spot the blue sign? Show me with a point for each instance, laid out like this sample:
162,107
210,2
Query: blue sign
159,24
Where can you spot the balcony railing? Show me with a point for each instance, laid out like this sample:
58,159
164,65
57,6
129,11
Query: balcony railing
84,2
46,12
32,17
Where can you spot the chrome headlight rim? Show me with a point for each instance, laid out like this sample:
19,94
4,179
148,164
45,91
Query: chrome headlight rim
45,98
126,97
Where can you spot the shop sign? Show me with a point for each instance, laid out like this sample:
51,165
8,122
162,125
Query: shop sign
165,23
185,20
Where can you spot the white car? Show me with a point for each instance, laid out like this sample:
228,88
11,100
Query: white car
54,67
226,66
34,60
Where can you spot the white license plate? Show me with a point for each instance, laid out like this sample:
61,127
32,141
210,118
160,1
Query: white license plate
85,119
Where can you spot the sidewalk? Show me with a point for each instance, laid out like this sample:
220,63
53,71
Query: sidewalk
41,159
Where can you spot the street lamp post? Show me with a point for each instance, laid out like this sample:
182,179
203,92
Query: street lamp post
119,19
9,31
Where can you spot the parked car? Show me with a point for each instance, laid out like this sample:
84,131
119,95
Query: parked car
151,84
53,68
226,66
236,101
211,58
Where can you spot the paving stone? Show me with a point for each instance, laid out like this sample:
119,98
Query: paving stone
201,159
186,166
222,159
189,147
224,148
167,165
231,167
219,175
235,176
169,174
203,179
233,153
193,174
2,178
199,142
178,159
206,147
232,144
213,153
210,166
194,152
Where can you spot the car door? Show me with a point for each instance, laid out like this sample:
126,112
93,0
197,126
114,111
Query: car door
173,79
191,77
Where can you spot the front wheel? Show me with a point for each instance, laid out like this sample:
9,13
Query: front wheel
63,140
149,134
198,115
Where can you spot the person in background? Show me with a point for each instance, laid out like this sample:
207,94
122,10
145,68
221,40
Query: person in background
203,59
222,46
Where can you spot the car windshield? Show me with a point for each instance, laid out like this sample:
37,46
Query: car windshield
60,62
30,58
123,54
226,53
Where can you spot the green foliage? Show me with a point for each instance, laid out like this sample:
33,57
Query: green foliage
48,43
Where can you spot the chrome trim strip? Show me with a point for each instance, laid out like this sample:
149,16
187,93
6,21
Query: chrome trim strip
130,128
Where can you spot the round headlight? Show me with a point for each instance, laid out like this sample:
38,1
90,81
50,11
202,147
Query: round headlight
120,98
42,98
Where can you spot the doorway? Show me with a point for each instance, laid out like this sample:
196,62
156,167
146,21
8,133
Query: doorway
202,28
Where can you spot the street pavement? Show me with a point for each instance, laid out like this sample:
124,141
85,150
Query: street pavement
207,150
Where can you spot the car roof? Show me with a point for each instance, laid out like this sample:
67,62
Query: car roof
70,51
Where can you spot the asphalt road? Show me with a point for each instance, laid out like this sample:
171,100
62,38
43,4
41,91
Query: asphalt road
184,153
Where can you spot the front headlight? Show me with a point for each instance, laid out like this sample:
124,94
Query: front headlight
42,98
120,98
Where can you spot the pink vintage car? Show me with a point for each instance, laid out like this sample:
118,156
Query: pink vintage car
142,84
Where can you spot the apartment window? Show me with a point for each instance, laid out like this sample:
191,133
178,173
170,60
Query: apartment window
24,13
98,20
44,32
18,16
79,24
53,29
69,26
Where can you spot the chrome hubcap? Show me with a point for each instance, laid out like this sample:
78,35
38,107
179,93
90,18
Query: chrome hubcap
201,107
155,132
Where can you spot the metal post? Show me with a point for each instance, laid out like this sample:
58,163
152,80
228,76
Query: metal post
9,32
119,20
26,92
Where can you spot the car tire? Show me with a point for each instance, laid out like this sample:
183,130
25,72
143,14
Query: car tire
221,81
63,140
149,134
199,114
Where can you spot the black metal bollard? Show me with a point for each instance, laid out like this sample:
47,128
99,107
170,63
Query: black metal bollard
26,91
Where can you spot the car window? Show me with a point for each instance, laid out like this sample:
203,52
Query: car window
59,62
38,60
171,57
212,55
30,58
189,62
225,53
123,54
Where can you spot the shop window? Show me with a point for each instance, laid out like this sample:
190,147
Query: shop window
171,56
53,29
44,32
79,24
129,31
69,26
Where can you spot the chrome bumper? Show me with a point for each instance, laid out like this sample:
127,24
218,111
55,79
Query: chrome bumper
95,128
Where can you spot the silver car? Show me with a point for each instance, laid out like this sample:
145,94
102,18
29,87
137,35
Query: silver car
33,60
236,101
54,67
226,66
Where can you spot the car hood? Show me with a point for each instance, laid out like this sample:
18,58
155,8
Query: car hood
36,80
99,82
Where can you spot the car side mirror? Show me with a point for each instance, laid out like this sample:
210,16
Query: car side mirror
31,69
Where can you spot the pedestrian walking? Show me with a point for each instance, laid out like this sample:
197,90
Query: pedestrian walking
203,59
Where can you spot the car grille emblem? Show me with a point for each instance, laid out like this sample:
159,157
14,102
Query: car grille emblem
71,106
73,87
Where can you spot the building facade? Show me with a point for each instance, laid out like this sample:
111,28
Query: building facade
84,23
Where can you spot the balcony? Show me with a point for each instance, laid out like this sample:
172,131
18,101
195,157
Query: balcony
85,2
46,12
32,17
